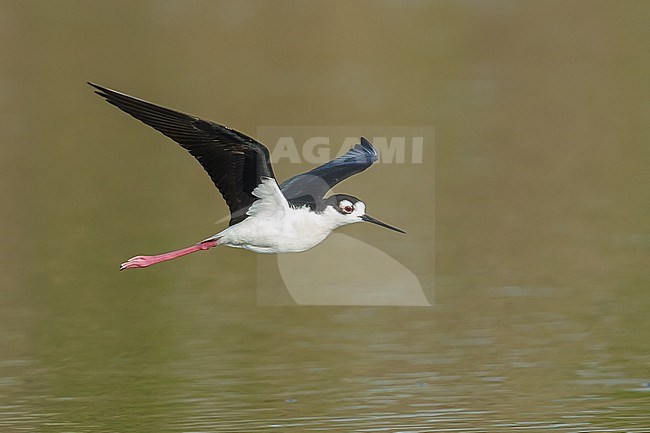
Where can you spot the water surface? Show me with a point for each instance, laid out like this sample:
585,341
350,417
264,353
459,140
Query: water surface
541,244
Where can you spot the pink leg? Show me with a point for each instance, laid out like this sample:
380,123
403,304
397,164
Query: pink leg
144,261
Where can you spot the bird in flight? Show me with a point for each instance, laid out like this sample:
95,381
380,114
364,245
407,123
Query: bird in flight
265,217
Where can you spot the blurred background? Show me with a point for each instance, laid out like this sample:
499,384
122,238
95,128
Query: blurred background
541,115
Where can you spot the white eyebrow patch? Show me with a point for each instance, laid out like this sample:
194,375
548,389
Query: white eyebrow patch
344,203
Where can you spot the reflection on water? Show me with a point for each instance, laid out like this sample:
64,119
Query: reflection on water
540,315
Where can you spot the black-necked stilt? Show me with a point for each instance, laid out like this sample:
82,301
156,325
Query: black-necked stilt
264,217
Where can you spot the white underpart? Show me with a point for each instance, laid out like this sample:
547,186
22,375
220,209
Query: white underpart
273,226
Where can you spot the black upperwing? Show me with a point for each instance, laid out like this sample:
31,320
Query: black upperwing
309,188
235,162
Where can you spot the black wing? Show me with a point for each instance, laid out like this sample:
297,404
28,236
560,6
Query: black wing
235,162
310,188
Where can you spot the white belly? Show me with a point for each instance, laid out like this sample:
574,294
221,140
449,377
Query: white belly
296,231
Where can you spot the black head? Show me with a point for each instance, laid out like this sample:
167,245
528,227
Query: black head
343,203
351,210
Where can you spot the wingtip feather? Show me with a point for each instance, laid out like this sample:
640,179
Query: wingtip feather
101,91
367,146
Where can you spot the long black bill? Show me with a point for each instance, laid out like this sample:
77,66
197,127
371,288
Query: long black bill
370,219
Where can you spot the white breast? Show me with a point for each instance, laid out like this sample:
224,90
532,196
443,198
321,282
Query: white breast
275,227
297,230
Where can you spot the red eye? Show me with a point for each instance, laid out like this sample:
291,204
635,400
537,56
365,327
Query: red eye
348,209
